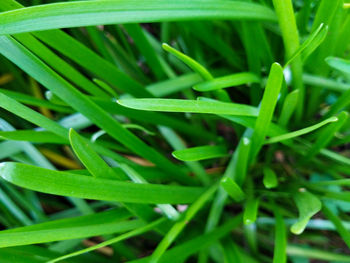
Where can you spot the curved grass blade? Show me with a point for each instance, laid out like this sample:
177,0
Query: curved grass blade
67,184
326,135
122,237
200,153
194,106
113,221
227,81
194,65
267,107
310,44
178,144
26,99
300,132
288,108
232,189
91,160
308,205
87,13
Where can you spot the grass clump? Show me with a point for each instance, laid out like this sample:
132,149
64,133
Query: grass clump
174,131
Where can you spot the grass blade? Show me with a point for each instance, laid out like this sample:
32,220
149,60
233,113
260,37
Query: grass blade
130,234
63,183
267,108
227,81
270,178
70,228
194,106
91,160
200,153
301,132
342,65
232,189
310,44
87,13
279,254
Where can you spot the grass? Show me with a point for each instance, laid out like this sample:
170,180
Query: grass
174,131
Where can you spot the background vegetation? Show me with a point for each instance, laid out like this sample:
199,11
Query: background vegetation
174,131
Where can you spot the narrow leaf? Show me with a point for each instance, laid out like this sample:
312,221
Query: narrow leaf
268,103
67,184
300,132
232,189
195,106
91,160
87,13
227,81
200,153
310,44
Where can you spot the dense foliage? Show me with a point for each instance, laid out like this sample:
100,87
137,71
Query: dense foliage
174,131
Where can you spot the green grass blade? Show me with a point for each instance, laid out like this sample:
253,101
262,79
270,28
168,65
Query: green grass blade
87,13
250,210
308,205
91,160
194,106
287,23
194,65
227,81
301,131
32,136
310,44
267,108
23,98
288,108
326,135
342,65
270,178
329,84
122,237
320,254
63,183
232,189
200,153
108,222
280,254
